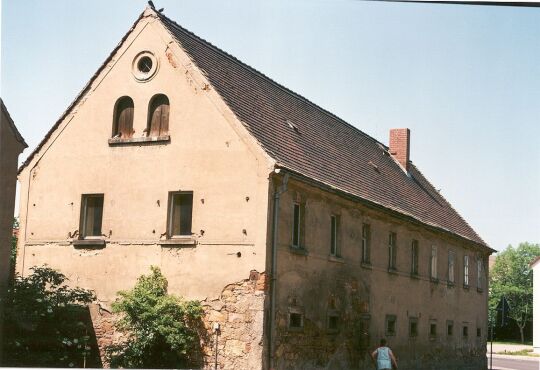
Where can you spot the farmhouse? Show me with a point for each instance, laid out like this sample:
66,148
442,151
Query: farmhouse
306,239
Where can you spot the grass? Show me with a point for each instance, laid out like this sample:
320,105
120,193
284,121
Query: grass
523,352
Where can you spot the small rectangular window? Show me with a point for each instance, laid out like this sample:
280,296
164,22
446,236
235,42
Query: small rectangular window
91,215
465,331
333,322
392,251
479,273
433,262
451,263
296,225
334,232
478,332
414,257
413,326
180,213
432,328
366,243
390,325
466,271
449,328
296,320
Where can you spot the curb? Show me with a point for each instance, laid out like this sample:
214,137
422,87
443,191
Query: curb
512,357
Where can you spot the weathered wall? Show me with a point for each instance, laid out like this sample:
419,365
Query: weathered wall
313,282
209,153
10,148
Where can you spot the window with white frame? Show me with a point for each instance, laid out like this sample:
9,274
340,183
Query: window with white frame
451,266
433,262
466,270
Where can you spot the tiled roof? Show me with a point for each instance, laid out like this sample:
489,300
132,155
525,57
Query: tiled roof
314,143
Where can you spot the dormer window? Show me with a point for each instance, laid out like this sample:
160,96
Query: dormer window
158,116
123,118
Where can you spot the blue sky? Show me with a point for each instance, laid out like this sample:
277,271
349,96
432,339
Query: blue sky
464,79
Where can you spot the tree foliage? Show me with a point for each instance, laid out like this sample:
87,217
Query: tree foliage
163,331
44,322
512,278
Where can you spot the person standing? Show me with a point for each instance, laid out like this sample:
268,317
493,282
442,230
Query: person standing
384,358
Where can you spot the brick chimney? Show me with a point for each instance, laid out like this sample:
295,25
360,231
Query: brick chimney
400,139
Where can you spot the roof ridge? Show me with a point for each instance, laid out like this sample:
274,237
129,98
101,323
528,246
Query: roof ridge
261,74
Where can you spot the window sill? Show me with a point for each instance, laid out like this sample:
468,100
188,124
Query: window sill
434,280
139,140
336,259
366,265
88,243
466,287
392,271
450,284
479,290
187,241
298,250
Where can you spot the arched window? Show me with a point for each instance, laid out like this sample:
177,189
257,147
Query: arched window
123,118
158,116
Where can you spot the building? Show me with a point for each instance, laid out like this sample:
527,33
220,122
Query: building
306,239
11,145
535,266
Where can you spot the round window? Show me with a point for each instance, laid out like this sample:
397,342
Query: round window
145,66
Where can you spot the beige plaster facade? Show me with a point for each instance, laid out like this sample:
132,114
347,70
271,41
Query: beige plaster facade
11,145
227,262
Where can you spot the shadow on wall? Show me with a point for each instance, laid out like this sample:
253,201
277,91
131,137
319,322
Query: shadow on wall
67,340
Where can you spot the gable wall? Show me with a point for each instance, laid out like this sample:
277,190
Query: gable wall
206,154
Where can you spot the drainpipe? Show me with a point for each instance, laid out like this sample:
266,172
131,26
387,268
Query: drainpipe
275,222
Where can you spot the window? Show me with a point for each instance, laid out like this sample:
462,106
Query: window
433,263
432,328
296,320
451,263
334,232
465,330
298,226
180,212
158,116
123,118
449,328
479,273
366,241
392,251
333,322
478,332
413,327
414,257
390,325
144,64
466,271
91,215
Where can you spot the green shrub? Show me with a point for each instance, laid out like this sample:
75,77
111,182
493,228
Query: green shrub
45,321
162,331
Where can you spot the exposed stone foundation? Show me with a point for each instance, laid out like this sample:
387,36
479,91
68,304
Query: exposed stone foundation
239,311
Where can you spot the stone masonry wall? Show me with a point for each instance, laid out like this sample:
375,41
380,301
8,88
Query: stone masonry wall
239,311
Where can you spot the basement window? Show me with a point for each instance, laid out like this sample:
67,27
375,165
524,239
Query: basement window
478,332
432,329
449,328
180,214
333,322
91,216
465,331
390,325
413,327
296,320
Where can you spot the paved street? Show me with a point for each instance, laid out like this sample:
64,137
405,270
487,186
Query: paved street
515,364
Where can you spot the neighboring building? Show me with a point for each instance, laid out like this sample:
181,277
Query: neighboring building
11,145
306,239
535,265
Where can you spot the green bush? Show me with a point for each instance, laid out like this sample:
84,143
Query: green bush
162,331
45,321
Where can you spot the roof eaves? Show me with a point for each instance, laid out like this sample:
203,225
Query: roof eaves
11,124
395,212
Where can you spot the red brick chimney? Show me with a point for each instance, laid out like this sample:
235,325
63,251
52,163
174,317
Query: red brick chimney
400,139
